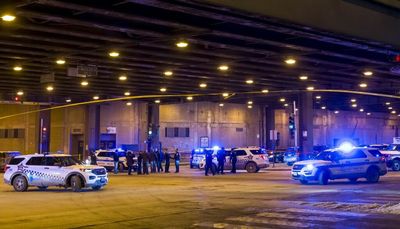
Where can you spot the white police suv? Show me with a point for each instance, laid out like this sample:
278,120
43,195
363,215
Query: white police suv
53,170
334,164
105,158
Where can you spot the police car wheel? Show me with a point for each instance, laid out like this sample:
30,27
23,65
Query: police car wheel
396,165
303,181
76,183
323,177
95,188
251,167
353,180
372,175
20,184
42,188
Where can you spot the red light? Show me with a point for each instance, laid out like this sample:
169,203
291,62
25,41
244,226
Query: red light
397,58
44,128
16,98
6,167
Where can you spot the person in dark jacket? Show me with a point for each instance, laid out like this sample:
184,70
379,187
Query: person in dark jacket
129,161
145,157
167,161
116,161
140,163
160,157
209,163
177,158
152,161
221,160
233,160
93,158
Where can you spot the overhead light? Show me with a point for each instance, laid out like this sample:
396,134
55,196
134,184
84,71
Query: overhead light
223,67
354,105
157,101
336,112
182,44
190,98
303,77
323,108
282,99
393,112
17,68
387,103
122,77
127,93
361,110
8,17
310,88
290,61
249,102
249,106
286,105
129,103
50,88
353,100
168,73
96,97
113,54
368,113
60,61
363,85
318,97
265,91
203,85
368,73
221,105
68,100
249,81
390,108
163,89
20,93
225,94
84,83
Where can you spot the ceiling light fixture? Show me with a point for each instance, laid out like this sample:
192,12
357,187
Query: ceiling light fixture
368,73
282,99
387,103
353,100
265,91
221,105
182,44
303,77
323,108
318,97
390,108
127,93
368,113
250,102
393,112
122,77
113,54
129,103
157,101
84,83
286,105
203,85
363,85
310,88
249,106
225,94
354,105
68,100
223,67
8,17
20,93
190,98
361,110
96,97
163,89
60,61
17,68
249,81
290,61
336,112
50,88
168,73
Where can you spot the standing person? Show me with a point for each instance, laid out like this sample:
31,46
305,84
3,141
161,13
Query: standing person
93,158
139,163
233,160
221,160
152,160
116,161
129,161
145,163
177,158
160,157
209,163
167,161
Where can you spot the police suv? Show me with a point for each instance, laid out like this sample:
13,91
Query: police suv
198,157
105,158
392,154
251,159
53,170
334,164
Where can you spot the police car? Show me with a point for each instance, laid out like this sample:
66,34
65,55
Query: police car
251,159
105,158
198,157
53,170
334,164
392,154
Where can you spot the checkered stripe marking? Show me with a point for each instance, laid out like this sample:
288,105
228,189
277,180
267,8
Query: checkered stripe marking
32,174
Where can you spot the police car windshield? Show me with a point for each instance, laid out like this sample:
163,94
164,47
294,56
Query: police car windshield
393,147
257,152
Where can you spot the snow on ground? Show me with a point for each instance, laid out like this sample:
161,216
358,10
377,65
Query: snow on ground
388,208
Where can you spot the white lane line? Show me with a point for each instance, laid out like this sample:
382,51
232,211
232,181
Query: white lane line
225,226
296,217
322,212
279,222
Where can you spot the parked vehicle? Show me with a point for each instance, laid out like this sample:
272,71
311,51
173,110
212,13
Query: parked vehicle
392,154
5,157
251,159
278,156
105,158
198,157
291,155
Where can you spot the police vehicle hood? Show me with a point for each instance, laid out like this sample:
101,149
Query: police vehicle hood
313,162
85,167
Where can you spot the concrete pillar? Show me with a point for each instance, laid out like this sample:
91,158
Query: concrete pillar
153,140
306,122
92,130
269,123
44,130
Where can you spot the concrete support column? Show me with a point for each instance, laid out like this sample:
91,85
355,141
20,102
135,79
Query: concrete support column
92,130
306,122
153,140
269,123
44,130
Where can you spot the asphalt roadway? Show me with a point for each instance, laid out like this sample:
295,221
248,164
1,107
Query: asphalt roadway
268,199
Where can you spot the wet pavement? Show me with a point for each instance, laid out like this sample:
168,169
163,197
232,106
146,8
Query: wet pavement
269,199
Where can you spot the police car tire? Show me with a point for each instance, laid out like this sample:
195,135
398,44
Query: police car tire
76,183
396,165
323,177
373,175
20,184
251,167
95,188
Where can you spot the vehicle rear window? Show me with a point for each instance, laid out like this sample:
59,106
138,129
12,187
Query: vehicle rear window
375,153
105,154
354,154
257,152
36,161
240,153
15,161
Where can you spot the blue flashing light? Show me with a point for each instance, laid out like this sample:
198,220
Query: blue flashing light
215,147
346,147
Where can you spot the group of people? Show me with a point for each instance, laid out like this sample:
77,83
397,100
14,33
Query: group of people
221,158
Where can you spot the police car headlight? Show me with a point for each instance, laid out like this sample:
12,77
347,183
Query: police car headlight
309,167
86,170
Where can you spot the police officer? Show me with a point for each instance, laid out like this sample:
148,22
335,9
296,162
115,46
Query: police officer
129,161
167,161
160,157
233,160
177,158
145,156
221,160
152,160
93,158
116,161
209,163
140,162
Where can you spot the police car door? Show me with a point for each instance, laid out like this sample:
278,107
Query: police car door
55,170
356,162
35,170
228,164
241,159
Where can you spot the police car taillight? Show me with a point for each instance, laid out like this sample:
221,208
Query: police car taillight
382,159
262,157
